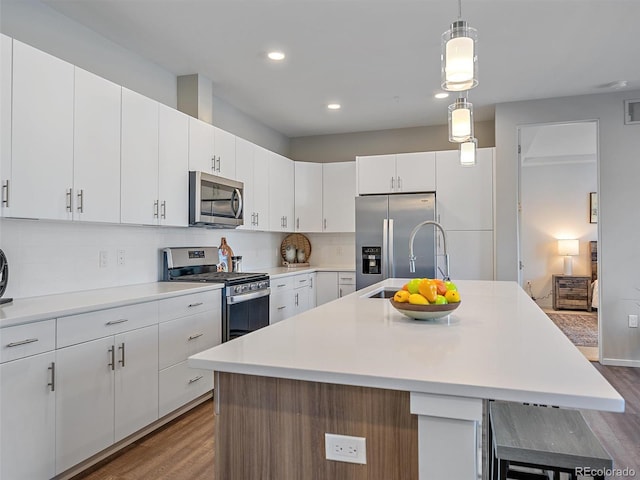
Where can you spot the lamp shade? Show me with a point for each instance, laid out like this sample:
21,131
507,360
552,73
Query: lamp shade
459,60
460,121
468,153
568,247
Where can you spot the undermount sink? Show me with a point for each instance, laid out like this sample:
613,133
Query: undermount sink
385,293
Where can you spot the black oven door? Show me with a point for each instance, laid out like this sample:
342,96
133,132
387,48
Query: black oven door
245,313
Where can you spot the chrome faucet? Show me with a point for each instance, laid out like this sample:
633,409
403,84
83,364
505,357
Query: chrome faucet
412,257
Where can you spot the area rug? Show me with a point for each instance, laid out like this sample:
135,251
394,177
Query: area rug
582,329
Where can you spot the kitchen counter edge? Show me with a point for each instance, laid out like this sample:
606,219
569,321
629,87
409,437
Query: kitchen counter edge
280,272
34,309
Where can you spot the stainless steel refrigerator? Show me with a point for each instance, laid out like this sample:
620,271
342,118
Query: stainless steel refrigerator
383,226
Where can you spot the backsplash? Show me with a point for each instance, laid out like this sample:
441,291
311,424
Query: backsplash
47,257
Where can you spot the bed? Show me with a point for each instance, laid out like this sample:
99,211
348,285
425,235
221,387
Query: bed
593,250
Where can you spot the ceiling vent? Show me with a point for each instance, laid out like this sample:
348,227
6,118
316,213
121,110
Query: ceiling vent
632,111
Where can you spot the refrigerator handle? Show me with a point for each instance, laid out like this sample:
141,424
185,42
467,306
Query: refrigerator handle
392,265
385,247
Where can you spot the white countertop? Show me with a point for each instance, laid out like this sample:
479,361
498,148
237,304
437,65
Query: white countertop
278,272
33,309
498,345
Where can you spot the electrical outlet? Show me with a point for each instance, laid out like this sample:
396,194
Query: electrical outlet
121,257
633,321
344,448
104,259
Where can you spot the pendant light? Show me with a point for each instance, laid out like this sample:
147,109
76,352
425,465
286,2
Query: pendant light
468,152
459,62
460,121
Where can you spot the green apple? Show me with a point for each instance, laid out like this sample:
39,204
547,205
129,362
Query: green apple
450,285
440,300
413,285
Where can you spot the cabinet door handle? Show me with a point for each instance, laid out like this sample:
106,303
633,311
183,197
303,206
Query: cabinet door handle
393,180
311,282
286,221
257,219
116,322
195,379
340,292
298,223
219,163
69,200
213,163
163,210
81,201
296,299
399,184
121,348
325,223
52,384
5,193
191,305
155,209
112,354
22,342
193,337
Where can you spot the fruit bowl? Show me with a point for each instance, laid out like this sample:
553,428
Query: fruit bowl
424,312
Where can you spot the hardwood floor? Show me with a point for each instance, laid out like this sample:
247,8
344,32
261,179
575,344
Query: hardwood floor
184,450
181,450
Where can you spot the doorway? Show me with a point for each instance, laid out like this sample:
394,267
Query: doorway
558,179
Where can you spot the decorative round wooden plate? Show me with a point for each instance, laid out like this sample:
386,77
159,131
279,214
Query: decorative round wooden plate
299,242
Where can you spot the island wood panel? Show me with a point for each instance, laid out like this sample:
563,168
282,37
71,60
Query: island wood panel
273,429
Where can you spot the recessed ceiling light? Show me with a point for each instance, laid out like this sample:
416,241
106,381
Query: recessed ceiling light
334,106
441,95
275,55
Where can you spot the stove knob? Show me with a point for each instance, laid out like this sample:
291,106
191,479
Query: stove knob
264,284
254,286
237,289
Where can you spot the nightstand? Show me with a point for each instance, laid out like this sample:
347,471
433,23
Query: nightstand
571,292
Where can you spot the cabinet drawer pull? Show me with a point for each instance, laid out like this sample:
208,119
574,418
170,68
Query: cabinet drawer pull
5,193
302,281
281,285
346,278
121,348
194,380
81,201
282,307
69,200
112,354
191,305
52,384
22,342
115,322
193,337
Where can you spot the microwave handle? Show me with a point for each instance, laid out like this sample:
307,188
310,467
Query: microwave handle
238,195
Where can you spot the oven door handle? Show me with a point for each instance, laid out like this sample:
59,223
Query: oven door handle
245,297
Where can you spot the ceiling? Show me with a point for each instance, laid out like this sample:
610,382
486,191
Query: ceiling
379,58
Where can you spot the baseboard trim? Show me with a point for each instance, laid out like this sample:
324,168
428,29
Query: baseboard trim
116,447
620,362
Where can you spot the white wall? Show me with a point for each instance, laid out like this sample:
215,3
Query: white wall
555,204
619,217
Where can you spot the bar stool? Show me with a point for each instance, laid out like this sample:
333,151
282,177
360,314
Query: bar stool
550,439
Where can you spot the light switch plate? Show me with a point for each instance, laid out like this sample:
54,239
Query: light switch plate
633,321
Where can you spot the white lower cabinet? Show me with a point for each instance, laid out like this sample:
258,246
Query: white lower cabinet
193,328
291,295
333,285
27,418
107,389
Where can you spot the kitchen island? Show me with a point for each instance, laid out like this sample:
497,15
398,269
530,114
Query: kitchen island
414,389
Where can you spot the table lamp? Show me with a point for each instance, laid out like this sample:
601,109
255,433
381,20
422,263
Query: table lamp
568,248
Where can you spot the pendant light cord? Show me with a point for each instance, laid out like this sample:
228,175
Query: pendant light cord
459,9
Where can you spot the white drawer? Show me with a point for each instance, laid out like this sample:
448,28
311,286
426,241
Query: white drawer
176,307
101,323
187,336
302,281
25,340
180,384
346,278
281,284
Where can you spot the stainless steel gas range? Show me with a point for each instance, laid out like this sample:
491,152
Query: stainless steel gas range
245,297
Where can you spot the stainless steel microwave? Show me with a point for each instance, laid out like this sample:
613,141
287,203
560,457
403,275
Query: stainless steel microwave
214,201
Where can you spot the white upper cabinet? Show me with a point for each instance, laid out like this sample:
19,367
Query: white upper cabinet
338,197
42,135
396,173
252,169
308,196
173,167
281,193
464,198
201,154
96,148
6,51
224,147
140,203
